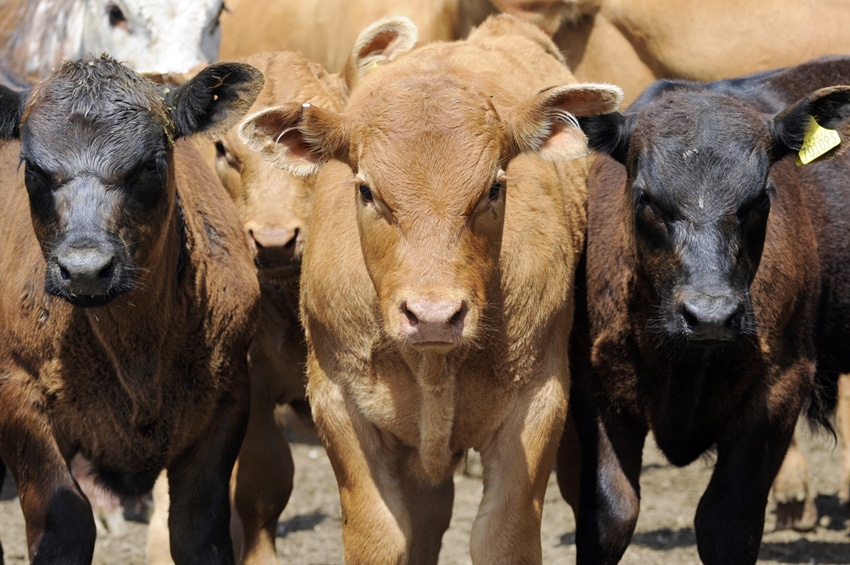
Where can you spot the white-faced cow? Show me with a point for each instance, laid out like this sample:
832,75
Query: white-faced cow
718,296
158,36
437,283
127,301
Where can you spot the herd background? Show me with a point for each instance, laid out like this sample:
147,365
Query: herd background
309,528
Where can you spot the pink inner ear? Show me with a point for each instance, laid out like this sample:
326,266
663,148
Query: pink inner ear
294,142
564,141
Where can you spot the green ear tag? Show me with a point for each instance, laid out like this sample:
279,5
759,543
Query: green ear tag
818,141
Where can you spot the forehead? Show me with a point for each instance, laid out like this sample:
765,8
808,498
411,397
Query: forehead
428,123
703,136
700,119
94,102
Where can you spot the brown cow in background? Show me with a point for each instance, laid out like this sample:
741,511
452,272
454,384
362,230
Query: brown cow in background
324,30
437,284
634,42
127,300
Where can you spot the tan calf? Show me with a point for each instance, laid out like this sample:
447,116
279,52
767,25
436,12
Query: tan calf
274,206
437,284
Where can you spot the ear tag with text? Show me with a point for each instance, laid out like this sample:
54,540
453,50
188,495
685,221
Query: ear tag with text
818,140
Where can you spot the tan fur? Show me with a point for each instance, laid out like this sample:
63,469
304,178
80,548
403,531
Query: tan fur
270,199
634,42
396,418
324,30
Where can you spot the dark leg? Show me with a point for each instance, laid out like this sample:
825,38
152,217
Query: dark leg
730,517
199,512
611,453
59,523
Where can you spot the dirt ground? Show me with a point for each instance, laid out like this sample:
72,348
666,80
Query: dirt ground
309,530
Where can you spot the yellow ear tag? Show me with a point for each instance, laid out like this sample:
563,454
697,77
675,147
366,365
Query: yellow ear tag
818,141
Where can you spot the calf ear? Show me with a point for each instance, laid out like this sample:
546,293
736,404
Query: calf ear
297,137
11,110
830,108
547,123
608,133
215,99
378,44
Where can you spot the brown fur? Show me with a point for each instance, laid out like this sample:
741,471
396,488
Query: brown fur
633,42
324,30
429,135
154,379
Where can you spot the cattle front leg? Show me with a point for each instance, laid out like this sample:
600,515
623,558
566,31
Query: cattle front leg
59,522
611,455
198,480
729,522
517,465
262,480
376,524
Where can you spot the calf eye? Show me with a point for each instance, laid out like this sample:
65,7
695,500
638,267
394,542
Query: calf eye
365,193
116,16
495,190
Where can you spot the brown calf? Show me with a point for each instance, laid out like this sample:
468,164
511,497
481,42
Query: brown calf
127,301
437,284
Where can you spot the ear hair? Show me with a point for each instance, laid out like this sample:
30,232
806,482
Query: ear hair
378,44
608,133
11,111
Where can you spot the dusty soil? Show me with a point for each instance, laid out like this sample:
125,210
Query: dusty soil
309,529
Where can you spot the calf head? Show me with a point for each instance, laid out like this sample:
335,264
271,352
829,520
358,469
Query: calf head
428,152
274,204
97,150
698,195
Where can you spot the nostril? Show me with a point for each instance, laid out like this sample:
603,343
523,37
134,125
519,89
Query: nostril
411,317
108,269
690,317
457,319
291,243
735,320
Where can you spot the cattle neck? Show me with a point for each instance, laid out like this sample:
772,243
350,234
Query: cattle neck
134,328
436,375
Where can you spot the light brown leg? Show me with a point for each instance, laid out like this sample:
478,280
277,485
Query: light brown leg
158,548
844,430
517,467
376,526
795,506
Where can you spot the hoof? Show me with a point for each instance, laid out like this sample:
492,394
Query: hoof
801,516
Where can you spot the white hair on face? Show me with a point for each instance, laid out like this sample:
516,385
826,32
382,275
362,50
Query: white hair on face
154,36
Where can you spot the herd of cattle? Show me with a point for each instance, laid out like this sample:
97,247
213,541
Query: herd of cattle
444,214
